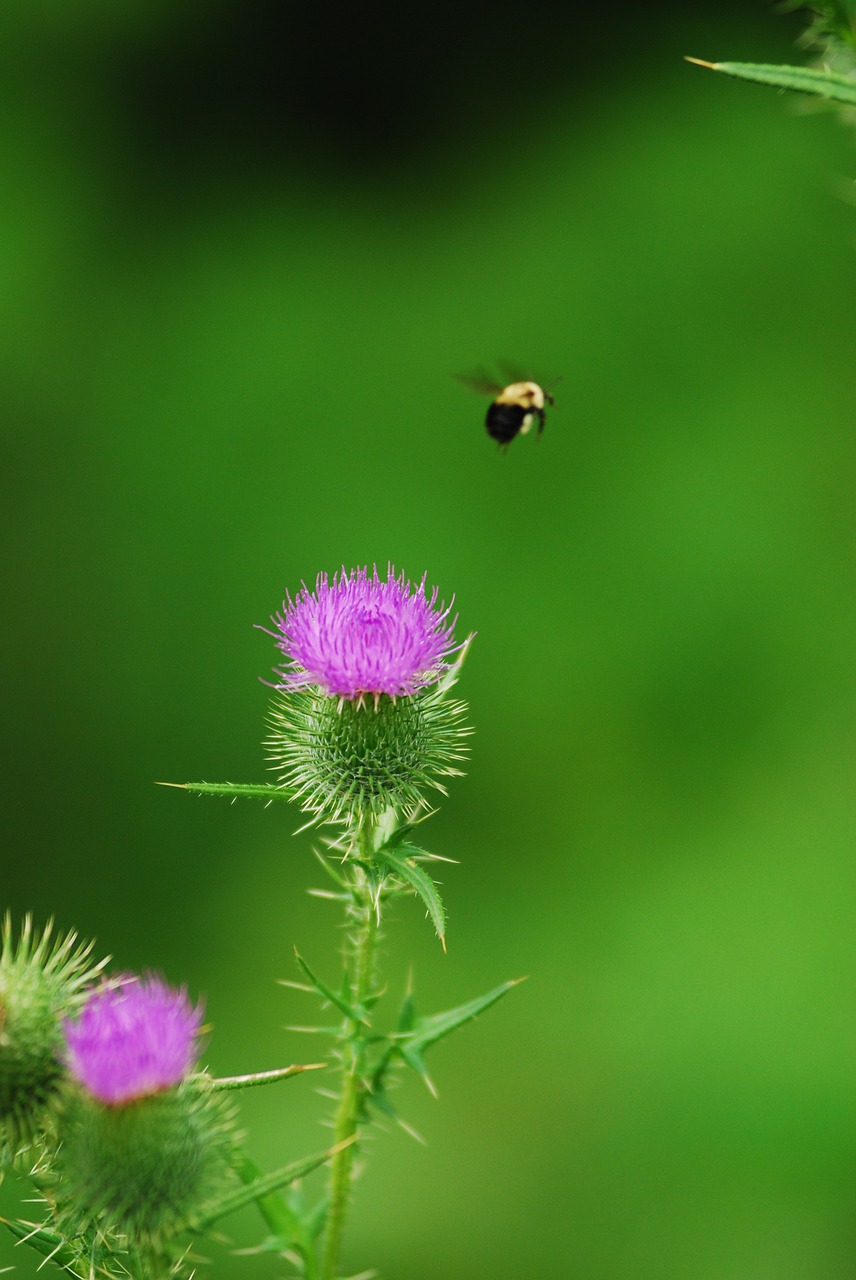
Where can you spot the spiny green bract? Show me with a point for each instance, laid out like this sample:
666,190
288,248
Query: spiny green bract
42,981
355,759
146,1169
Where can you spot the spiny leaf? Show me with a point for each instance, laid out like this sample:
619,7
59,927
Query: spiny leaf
235,790
406,1019
427,1031
289,1229
380,1101
402,862
83,1256
407,1012
261,1187
264,1077
401,833
314,1031
46,1242
416,1062
356,1013
823,84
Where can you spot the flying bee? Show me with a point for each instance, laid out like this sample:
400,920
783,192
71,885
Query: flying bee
514,408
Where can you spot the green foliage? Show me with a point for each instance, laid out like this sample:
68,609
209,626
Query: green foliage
415,1034
262,1077
403,861
234,790
292,1227
41,981
90,1254
832,32
831,21
356,1013
258,1189
107,1253
364,765
823,84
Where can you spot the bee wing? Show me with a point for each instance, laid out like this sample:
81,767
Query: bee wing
481,382
512,372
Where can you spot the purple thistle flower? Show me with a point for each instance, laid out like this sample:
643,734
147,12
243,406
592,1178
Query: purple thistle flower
132,1040
359,636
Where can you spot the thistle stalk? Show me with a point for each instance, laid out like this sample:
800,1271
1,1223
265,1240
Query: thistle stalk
364,912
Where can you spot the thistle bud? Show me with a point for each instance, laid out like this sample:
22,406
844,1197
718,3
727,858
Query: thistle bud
41,982
145,1143
361,721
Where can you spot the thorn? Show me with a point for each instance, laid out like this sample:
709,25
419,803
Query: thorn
182,786
411,1132
700,62
50,1256
340,1146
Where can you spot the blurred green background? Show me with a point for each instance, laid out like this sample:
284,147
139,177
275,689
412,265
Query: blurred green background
244,250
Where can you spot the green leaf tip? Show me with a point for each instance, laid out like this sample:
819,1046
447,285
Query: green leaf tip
264,1077
821,84
400,857
417,1034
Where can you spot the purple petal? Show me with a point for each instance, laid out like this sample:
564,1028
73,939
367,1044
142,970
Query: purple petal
359,635
132,1040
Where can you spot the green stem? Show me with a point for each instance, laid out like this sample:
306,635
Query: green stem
353,1052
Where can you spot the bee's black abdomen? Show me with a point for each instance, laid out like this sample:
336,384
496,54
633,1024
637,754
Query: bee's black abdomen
504,421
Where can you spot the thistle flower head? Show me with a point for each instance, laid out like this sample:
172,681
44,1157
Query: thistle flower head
362,635
361,722
42,980
144,1141
132,1039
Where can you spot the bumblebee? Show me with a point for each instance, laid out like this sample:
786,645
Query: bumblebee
514,408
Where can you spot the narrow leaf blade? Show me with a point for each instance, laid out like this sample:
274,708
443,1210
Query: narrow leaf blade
257,1190
822,84
264,1077
428,1031
401,860
45,1241
287,1227
234,790
354,1012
